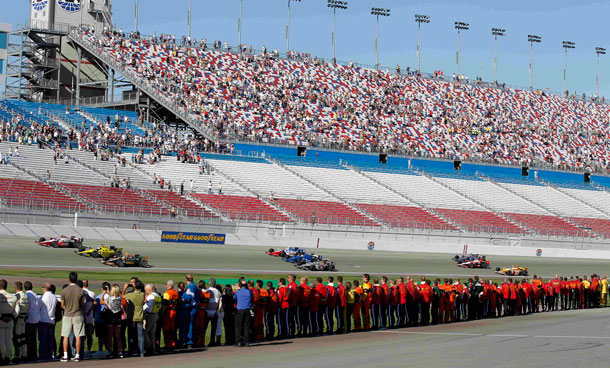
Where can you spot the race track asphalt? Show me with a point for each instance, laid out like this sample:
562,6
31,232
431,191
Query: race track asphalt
22,253
559,339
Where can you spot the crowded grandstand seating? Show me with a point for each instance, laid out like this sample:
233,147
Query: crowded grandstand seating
35,194
260,97
322,212
117,200
242,208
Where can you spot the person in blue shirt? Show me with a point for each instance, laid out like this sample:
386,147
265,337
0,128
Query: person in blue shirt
191,301
243,298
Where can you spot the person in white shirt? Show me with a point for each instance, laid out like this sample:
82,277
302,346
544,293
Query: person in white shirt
88,315
214,305
151,316
31,323
46,326
7,317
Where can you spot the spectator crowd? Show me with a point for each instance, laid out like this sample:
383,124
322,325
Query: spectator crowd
136,319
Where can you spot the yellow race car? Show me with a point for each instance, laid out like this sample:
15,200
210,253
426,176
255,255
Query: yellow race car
103,251
512,271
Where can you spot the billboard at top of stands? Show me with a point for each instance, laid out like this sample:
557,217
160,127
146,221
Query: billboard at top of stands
199,238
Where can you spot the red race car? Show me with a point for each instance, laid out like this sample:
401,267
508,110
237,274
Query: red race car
61,242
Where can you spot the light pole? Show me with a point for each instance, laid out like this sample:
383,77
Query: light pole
136,16
420,19
239,24
566,46
334,5
496,32
189,21
532,39
288,28
460,26
598,51
384,13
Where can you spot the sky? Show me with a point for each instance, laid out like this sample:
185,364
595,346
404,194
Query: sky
264,23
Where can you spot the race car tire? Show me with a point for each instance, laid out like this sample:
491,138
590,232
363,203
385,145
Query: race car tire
332,268
120,263
470,265
144,264
524,273
55,244
41,240
118,254
271,250
497,269
95,254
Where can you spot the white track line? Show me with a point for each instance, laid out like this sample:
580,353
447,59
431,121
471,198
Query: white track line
492,335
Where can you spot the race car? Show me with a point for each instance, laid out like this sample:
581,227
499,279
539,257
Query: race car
303,258
512,271
466,257
285,253
128,260
473,261
103,251
319,265
61,242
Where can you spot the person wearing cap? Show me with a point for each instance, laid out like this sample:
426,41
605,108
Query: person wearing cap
243,299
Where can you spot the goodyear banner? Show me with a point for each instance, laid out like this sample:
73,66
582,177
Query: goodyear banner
199,238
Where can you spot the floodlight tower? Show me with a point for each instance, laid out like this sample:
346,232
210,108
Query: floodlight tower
497,32
566,46
532,39
419,18
189,20
334,5
288,28
239,23
599,51
378,12
136,16
459,26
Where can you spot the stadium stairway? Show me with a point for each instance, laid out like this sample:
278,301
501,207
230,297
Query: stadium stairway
340,211
492,220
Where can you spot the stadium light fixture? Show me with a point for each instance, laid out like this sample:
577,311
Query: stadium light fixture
459,26
567,45
334,5
288,27
419,18
598,51
532,39
497,32
136,16
239,24
189,20
378,12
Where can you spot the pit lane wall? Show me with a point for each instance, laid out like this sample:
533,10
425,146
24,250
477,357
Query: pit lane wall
278,237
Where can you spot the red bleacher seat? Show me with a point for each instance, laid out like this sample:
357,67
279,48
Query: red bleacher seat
406,217
187,206
117,199
36,194
480,221
242,208
599,226
320,212
546,224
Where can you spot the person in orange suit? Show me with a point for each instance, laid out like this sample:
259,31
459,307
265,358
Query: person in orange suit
358,292
261,298
314,311
402,302
426,298
515,297
303,307
271,311
204,298
412,303
367,289
170,304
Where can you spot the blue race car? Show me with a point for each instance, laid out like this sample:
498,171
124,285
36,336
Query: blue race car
303,258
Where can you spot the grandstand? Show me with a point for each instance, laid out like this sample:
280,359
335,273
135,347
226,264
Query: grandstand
235,159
